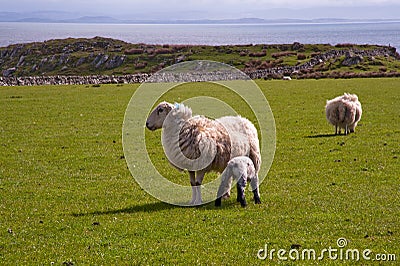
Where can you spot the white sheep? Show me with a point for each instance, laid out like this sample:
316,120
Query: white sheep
201,145
344,112
354,98
241,169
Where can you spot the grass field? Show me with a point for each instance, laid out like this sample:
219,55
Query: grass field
67,197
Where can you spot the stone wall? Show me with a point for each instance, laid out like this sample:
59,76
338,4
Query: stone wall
72,80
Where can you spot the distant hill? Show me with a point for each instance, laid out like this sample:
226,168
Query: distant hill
65,17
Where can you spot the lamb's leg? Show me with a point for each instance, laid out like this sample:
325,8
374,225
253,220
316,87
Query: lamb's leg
225,186
239,192
199,180
256,194
254,187
335,129
194,189
218,202
241,186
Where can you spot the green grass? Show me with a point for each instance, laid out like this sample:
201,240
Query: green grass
66,195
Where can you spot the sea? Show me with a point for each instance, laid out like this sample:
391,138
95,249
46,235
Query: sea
382,33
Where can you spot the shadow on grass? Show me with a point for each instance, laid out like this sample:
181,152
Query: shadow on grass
321,136
148,207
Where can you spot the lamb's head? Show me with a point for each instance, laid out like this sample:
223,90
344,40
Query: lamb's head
158,115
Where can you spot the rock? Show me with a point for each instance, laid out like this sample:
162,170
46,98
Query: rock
43,62
80,61
180,58
97,59
63,59
297,46
116,61
53,59
100,60
21,61
16,50
9,72
351,59
3,53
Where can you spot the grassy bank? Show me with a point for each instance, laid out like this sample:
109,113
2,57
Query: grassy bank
105,56
68,197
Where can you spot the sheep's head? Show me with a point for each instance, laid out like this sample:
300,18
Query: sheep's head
350,97
158,115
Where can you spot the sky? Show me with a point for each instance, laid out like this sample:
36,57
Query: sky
212,9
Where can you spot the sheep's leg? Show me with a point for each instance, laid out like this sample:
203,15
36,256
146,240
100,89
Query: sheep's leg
254,187
346,130
194,189
255,157
241,186
352,127
199,180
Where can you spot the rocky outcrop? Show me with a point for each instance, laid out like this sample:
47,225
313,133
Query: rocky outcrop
50,56
352,59
100,60
8,72
297,46
72,57
115,61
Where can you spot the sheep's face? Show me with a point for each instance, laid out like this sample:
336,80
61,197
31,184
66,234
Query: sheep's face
158,115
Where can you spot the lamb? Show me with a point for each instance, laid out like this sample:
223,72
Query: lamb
242,169
344,112
201,145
